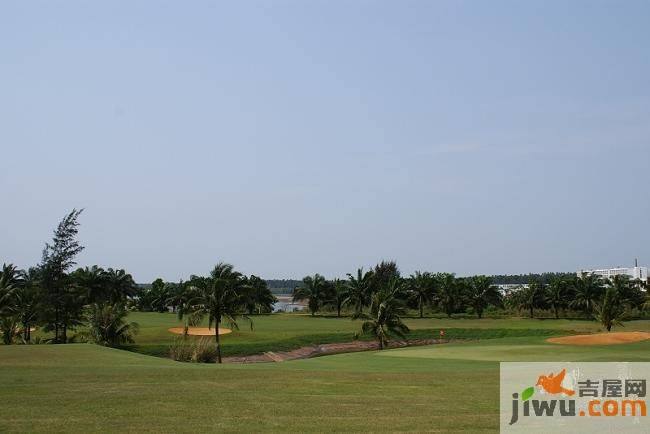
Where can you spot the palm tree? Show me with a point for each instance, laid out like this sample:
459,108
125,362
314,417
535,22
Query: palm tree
340,294
219,297
421,288
588,290
313,289
93,281
8,328
177,296
9,280
447,294
119,285
257,295
359,288
531,297
28,299
160,296
481,293
629,292
610,311
557,294
9,284
384,318
384,272
108,325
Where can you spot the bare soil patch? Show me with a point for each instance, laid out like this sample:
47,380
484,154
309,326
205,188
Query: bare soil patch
198,331
326,349
601,338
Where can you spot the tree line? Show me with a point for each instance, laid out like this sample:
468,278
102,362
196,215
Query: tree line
609,301
442,291
62,300
58,299
161,296
588,296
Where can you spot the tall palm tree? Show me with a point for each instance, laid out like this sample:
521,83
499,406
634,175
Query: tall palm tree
160,296
386,310
481,293
28,296
557,295
257,295
447,294
421,289
93,280
340,292
9,284
383,272
359,288
119,285
629,292
611,310
531,298
313,289
588,291
177,296
9,281
219,297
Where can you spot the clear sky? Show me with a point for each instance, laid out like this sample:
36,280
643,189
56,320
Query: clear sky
294,137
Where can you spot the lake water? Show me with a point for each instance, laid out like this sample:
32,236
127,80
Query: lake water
285,304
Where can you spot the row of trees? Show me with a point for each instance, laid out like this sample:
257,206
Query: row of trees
443,291
381,297
607,300
59,300
589,296
163,296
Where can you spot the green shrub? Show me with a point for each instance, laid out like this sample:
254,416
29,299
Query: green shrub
185,349
180,349
204,351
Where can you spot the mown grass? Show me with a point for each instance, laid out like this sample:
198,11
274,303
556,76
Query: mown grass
441,388
533,349
284,332
84,388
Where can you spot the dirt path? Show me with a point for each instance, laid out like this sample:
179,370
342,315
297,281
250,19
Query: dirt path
325,349
601,338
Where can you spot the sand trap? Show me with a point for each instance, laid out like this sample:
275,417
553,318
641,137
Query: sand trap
198,331
601,338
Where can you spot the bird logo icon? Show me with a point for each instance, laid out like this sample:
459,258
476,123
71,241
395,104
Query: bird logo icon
552,384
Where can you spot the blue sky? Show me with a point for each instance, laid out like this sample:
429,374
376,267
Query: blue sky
294,137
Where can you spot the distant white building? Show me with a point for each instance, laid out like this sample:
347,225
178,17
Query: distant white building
634,273
507,288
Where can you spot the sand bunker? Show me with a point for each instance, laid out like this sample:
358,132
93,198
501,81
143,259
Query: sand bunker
198,331
601,338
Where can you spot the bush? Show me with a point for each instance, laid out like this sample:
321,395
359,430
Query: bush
185,349
204,351
181,350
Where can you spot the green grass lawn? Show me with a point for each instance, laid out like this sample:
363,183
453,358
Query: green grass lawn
281,332
443,388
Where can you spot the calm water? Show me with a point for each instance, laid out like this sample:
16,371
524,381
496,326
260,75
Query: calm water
285,304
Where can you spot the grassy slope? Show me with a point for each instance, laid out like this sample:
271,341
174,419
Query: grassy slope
84,388
453,387
286,331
